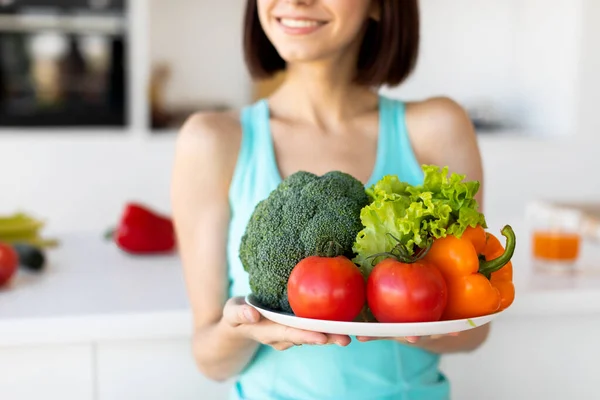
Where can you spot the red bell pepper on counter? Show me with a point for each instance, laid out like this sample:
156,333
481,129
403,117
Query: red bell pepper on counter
142,230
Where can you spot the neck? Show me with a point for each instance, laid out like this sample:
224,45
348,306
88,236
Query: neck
323,93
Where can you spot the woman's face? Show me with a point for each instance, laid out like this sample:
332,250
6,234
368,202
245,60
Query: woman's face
311,30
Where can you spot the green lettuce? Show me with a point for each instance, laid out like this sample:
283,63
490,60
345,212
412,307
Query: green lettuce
412,216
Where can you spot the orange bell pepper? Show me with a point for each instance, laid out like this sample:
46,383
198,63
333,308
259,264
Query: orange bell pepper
477,270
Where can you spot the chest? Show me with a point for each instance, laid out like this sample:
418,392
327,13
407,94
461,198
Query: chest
352,149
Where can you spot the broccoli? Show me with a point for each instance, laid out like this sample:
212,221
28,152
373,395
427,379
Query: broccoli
303,214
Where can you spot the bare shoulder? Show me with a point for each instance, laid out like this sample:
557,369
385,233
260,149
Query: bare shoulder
440,117
442,133
206,149
210,131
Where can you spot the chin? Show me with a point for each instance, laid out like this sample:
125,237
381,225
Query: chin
306,51
302,55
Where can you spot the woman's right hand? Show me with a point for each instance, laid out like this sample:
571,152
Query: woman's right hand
244,321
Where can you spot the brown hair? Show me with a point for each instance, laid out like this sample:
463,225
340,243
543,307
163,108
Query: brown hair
388,53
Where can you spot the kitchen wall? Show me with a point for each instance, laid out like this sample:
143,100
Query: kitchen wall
514,60
589,81
517,171
79,180
205,58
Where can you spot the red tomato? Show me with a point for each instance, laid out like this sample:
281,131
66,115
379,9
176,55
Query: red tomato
329,288
399,292
9,262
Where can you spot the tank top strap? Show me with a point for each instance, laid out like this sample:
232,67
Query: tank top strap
255,157
397,155
255,120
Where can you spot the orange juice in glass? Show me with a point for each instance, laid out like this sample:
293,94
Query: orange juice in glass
555,235
560,246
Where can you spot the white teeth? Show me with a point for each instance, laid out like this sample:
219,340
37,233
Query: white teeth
299,23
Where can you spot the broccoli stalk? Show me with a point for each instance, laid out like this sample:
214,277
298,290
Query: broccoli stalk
302,216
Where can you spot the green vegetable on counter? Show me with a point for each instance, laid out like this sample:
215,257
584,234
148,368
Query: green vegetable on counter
415,215
304,213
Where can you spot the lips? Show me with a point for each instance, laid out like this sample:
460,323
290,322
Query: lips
299,26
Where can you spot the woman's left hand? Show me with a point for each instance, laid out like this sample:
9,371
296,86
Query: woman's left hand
464,341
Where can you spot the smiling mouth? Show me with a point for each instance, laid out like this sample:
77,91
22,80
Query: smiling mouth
299,26
300,23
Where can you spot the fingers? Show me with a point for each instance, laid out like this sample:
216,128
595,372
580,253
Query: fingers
282,346
237,312
274,334
340,340
282,337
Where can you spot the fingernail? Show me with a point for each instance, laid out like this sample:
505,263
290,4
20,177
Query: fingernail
248,315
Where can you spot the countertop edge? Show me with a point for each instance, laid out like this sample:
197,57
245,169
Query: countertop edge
178,323
95,328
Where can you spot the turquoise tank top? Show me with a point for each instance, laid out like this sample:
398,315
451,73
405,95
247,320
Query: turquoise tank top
377,370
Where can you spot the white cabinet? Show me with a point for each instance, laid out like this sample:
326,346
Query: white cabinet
152,370
105,370
62,372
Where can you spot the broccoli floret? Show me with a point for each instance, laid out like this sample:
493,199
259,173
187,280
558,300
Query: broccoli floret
303,214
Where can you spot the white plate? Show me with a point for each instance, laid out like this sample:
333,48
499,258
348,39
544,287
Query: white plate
373,329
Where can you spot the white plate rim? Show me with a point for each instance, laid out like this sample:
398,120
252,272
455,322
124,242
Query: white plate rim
373,329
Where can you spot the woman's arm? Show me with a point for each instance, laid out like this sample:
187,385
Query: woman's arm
227,332
443,134
202,170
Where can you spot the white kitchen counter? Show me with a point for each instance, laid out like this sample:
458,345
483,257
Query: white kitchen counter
93,291
100,324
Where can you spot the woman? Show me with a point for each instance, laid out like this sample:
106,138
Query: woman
327,115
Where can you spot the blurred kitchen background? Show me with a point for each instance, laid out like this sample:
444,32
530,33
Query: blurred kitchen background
92,93
63,64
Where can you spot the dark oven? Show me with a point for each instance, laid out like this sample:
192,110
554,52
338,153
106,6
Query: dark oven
63,63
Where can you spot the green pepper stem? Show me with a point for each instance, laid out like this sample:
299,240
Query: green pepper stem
488,267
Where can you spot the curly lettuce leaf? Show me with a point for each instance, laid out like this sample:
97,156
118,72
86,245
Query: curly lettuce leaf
389,185
414,215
